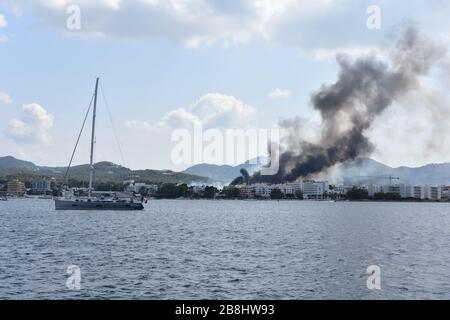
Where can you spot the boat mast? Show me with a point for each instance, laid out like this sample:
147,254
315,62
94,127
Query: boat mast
91,163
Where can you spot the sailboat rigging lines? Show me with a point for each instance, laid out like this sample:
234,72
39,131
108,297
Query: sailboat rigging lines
90,202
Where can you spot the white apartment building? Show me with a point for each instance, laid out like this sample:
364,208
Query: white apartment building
403,190
247,191
289,189
445,192
372,189
408,191
315,190
263,190
433,192
418,192
137,186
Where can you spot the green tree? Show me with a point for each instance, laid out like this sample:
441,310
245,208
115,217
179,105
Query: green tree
143,191
390,196
276,194
169,191
183,190
357,194
232,192
299,195
210,192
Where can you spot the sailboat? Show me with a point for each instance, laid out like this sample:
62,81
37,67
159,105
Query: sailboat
90,202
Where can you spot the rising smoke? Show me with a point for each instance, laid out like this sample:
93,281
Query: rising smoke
366,86
244,178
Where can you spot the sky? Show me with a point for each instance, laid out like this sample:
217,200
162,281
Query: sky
171,64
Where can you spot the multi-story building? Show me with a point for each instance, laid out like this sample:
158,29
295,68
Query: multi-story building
372,189
315,190
247,191
263,190
288,189
395,189
403,190
15,188
342,190
291,188
418,192
136,187
445,193
433,192
42,186
296,187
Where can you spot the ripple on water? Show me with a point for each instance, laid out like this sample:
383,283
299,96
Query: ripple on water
226,250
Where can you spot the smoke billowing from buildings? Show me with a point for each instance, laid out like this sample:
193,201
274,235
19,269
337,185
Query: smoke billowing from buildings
366,86
244,178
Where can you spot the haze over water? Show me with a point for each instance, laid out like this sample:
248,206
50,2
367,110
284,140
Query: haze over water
226,250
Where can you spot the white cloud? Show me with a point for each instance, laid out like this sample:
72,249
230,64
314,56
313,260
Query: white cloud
5,98
3,22
33,127
213,110
309,24
180,118
3,38
280,94
139,124
191,22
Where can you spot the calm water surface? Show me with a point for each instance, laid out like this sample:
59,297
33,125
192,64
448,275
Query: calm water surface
226,250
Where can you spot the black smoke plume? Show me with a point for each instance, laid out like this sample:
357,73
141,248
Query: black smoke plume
366,86
243,179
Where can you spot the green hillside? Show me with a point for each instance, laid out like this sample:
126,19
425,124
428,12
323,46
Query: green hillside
104,172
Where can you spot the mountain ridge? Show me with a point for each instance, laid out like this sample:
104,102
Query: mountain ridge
361,170
225,173
105,171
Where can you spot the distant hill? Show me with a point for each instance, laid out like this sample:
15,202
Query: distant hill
225,173
368,170
104,172
362,170
16,164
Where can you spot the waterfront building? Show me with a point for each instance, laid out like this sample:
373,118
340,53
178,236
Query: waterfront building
433,192
394,189
372,189
340,191
263,190
247,191
15,188
418,192
315,190
136,187
402,190
288,189
41,186
445,193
